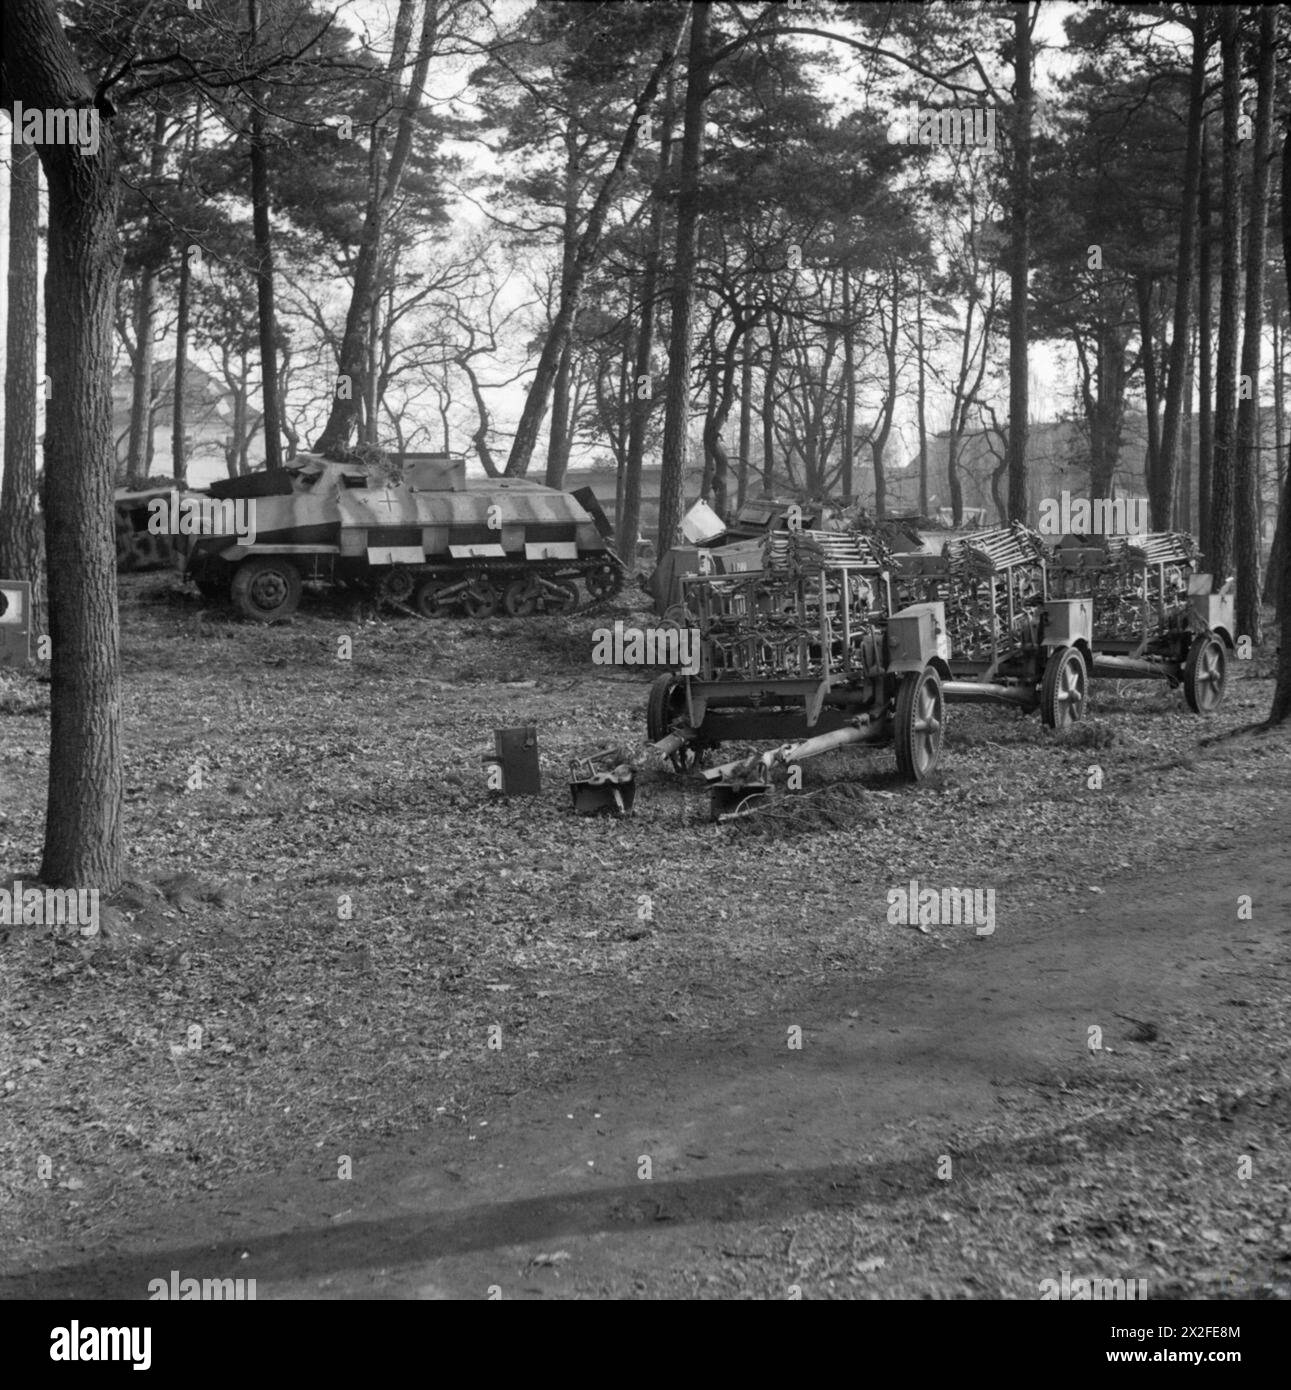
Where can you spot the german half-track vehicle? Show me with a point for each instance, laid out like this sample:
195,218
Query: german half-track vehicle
435,540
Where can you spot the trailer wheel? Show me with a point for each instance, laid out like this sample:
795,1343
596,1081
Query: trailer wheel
428,600
918,722
266,588
665,705
1205,673
1063,690
481,598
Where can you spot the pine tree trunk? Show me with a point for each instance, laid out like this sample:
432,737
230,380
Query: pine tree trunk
22,538
1184,507
558,441
1281,709
1019,262
849,389
629,533
1151,395
879,443
179,406
768,409
141,403
1246,521
179,386
1274,568
264,272
1220,559
677,403
922,407
1205,360
746,421
1161,488
83,813
141,377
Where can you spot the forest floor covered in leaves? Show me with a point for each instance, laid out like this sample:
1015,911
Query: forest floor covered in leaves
369,1037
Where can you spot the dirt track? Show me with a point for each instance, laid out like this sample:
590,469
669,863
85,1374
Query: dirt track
776,1169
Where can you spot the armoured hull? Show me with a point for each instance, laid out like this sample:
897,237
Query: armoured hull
436,541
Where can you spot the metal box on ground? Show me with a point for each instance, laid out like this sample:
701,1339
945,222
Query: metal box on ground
516,753
15,622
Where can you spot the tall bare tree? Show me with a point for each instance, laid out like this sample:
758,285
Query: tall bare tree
1020,263
1281,710
1161,482
83,810
1220,540
263,235
22,541
682,295
1246,520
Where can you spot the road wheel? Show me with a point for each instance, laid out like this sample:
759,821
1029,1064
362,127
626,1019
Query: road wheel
665,705
604,580
266,588
520,598
429,600
398,584
1063,690
481,598
918,723
1205,673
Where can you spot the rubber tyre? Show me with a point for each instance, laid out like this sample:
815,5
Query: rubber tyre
266,588
1064,689
665,704
1205,674
918,724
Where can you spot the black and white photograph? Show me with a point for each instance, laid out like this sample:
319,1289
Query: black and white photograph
640,660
